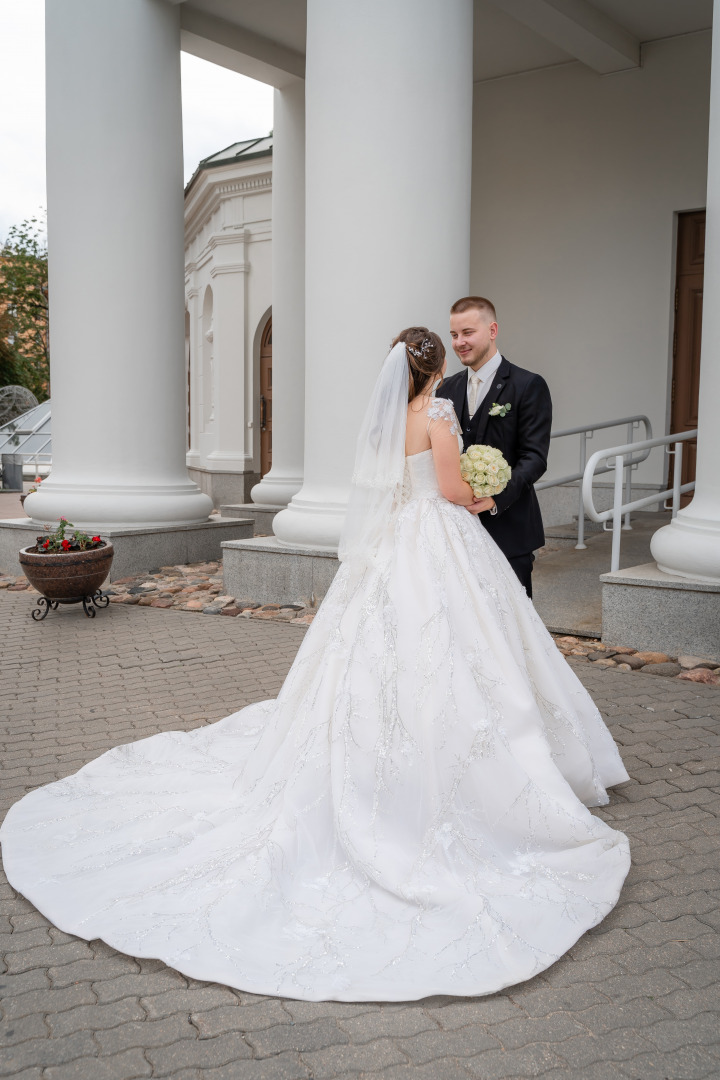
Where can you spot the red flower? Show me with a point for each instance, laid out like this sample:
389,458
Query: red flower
46,544
65,545
96,540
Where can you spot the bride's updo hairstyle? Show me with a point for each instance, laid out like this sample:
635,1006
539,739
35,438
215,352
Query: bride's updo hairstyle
425,355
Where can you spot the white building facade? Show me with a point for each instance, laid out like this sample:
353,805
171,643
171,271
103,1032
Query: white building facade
228,323
550,154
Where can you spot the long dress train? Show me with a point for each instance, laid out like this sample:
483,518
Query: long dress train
408,818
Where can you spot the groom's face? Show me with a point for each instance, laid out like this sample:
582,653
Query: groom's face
473,338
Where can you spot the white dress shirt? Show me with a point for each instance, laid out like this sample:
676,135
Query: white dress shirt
484,377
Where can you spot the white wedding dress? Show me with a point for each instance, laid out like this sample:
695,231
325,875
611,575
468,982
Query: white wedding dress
408,817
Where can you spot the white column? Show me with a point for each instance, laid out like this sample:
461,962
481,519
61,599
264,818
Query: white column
115,237
389,114
288,299
690,546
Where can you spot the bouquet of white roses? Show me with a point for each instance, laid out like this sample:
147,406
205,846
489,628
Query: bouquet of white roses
485,470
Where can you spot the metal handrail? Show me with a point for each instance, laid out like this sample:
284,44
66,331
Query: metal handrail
586,431
619,453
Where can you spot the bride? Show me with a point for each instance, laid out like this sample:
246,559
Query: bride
409,816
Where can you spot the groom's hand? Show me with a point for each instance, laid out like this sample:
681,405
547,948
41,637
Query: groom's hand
478,506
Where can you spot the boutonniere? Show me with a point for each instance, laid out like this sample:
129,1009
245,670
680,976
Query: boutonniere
499,410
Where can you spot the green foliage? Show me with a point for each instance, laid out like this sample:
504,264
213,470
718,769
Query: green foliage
24,352
11,368
55,542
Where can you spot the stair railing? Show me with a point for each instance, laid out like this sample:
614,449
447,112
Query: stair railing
614,458
586,431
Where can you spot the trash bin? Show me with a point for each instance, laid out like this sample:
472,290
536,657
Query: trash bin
12,472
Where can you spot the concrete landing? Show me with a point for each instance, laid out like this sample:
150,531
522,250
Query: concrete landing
567,591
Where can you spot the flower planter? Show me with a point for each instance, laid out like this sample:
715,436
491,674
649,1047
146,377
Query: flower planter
72,577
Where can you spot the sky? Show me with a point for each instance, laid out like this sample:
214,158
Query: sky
219,107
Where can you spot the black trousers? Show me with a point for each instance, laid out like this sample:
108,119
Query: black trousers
522,565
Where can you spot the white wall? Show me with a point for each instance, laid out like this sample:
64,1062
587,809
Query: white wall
228,233
577,179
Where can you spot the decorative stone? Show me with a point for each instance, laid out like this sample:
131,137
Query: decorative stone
604,662
624,650
623,667
701,675
161,603
633,662
653,657
664,668
231,610
601,655
194,605
689,662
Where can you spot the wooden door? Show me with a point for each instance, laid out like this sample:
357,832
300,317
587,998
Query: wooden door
266,400
687,336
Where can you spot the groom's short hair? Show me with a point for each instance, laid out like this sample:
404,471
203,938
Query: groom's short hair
480,303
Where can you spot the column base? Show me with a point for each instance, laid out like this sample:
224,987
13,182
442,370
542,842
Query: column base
137,550
118,506
689,547
276,490
271,573
314,519
648,609
223,487
262,516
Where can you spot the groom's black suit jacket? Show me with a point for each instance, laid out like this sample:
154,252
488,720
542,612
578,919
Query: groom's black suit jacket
523,437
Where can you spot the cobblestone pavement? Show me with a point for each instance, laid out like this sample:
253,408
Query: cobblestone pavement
636,998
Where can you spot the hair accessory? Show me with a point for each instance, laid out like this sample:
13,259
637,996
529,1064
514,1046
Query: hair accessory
422,351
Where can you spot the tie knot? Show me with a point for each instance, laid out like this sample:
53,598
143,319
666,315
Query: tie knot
475,378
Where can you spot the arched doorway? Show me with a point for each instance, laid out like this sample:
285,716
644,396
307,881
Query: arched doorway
266,399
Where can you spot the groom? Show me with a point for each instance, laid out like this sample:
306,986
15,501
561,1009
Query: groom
520,430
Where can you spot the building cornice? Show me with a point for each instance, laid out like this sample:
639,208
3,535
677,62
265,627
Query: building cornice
229,268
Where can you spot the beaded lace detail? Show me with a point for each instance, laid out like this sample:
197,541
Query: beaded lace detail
442,409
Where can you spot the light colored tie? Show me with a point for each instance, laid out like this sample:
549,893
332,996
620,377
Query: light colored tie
473,395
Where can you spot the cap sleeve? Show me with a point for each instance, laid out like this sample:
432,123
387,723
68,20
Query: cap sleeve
442,419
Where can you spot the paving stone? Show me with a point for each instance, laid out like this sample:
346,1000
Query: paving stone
187,1000
197,1053
138,985
21,1028
640,1013
95,1017
653,984
690,1063
386,1024
547,1000
459,1014
46,1001
285,1066
530,1061
555,1028
145,1033
89,970
685,928
699,973
316,1035
127,1066
590,1049
463,1043
266,1014
45,956
45,1052
335,1060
